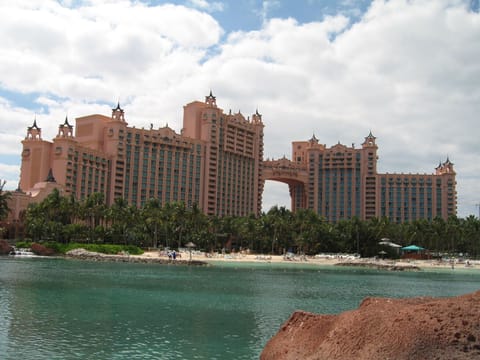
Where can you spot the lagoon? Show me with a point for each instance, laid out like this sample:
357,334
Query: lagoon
69,309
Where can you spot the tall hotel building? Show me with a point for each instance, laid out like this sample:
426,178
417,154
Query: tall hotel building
214,162
342,182
217,162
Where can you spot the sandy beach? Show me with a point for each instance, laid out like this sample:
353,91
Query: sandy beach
320,260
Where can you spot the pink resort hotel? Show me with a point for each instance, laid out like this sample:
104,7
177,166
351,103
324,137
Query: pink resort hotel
217,163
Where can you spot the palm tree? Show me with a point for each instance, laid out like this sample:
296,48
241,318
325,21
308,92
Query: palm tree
282,221
4,197
197,225
471,233
307,228
93,211
123,218
151,216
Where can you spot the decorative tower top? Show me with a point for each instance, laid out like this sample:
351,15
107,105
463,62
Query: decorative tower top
34,132
50,177
118,113
257,118
369,141
445,168
211,100
313,140
65,130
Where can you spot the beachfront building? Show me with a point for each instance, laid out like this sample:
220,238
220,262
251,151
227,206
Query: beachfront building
342,182
216,162
213,162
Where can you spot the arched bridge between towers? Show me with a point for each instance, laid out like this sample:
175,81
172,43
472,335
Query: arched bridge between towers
294,175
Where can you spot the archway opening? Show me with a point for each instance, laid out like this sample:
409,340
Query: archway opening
275,193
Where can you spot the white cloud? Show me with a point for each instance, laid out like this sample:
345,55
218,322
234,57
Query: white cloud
408,71
10,176
210,6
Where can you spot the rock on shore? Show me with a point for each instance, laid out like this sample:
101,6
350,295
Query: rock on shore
5,247
382,328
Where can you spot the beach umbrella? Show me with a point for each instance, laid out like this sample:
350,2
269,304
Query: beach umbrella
389,243
412,248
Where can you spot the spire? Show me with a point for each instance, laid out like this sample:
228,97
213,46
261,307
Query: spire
50,177
118,113
257,117
18,189
118,107
369,140
34,126
66,123
211,100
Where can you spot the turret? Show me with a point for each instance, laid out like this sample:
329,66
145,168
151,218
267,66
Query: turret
34,132
257,118
369,141
211,100
118,113
445,168
65,130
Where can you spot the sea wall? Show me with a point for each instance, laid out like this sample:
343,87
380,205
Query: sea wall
383,328
82,254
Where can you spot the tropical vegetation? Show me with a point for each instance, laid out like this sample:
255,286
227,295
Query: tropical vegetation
65,220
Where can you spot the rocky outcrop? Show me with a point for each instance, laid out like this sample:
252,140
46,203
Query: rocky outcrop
380,265
5,247
83,254
39,249
382,328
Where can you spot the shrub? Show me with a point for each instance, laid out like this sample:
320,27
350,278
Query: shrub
23,244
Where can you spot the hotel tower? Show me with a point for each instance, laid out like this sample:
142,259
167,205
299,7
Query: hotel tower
342,182
215,162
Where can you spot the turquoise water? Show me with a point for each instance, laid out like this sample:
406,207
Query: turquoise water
64,309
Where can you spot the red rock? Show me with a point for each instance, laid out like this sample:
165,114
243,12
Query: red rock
5,247
383,328
39,249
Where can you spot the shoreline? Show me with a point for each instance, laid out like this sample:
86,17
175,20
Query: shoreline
203,259
340,260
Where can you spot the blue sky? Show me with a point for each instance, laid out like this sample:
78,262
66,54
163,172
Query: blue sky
407,70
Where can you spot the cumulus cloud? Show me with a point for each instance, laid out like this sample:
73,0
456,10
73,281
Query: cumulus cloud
209,6
406,70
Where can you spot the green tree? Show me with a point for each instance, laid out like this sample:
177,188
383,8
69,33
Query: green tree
4,197
152,220
93,211
123,221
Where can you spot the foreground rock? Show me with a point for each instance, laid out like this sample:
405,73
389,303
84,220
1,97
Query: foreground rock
5,247
417,328
380,265
83,254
